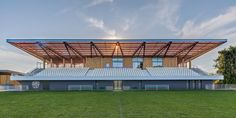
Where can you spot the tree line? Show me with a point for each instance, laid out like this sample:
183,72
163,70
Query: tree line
226,65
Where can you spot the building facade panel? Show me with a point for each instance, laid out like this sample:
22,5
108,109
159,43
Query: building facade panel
147,62
132,84
102,62
128,62
170,62
109,84
5,80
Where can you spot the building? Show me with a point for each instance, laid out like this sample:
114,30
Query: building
5,77
99,64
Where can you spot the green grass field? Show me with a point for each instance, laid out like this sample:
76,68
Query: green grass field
139,104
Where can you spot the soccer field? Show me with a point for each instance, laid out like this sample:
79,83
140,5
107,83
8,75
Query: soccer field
139,104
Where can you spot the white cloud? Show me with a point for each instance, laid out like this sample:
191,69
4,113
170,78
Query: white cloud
128,23
77,5
167,13
164,12
98,2
100,25
126,27
196,30
64,11
221,26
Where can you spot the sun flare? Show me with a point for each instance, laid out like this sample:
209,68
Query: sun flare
113,37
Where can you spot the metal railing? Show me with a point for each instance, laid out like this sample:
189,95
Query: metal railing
220,87
80,87
157,87
14,87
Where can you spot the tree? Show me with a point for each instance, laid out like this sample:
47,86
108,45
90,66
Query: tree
226,65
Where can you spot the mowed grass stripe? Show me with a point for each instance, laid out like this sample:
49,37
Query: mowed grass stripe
138,104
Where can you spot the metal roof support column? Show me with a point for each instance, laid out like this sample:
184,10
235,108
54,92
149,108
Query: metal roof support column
51,50
158,52
95,51
100,52
41,46
190,50
168,47
122,53
144,49
113,52
139,47
76,52
184,49
67,49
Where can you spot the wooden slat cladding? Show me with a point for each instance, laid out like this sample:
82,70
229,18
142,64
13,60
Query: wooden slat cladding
147,62
99,62
5,80
170,62
128,62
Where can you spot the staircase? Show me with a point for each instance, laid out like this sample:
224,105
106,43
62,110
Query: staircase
200,71
35,71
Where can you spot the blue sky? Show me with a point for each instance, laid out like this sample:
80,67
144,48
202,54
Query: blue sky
114,19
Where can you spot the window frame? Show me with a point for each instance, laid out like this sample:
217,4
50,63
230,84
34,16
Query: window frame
117,62
157,62
136,61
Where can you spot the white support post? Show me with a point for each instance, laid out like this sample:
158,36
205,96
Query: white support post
64,64
44,64
51,63
71,62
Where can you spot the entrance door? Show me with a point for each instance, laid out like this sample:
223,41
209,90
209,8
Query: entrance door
118,85
45,85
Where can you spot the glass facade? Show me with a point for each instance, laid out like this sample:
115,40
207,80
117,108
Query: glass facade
117,62
137,61
157,62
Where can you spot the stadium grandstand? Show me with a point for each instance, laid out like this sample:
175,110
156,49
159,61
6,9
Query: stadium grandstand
127,64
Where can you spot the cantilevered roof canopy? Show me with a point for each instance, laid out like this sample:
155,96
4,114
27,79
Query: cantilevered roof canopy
46,49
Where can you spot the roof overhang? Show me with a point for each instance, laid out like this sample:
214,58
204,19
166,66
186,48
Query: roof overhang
59,49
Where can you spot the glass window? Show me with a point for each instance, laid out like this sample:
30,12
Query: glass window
117,62
137,62
157,62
